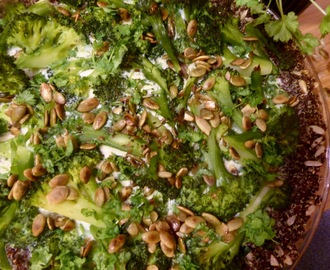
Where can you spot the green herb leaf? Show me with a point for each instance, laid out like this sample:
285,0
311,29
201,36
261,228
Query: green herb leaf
325,23
284,28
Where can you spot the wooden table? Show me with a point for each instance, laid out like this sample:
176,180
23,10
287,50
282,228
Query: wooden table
309,22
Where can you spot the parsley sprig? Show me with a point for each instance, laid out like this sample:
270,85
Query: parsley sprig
286,27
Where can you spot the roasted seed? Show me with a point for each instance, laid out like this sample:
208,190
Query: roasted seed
250,144
259,149
38,225
185,229
167,239
125,193
52,117
246,64
211,219
60,112
164,174
150,104
261,124
73,194
185,210
262,114
29,175
192,28
69,225
233,153
11,180
59,180
18,113
234,224
237,80
203,125
88,104
317,129
38,170
57,195
189,53
46,92
303,86
100,120
167,251
87,146
50,223
246,123
151,237
209,180
85,174
208,84
188,116
59,98
247,110
194,221
88,117
19,189
99,197
198,71
237,62
313,163
206,114
133,229
280,99
86,248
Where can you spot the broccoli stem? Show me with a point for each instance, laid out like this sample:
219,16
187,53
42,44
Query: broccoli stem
70,209
187,91
7,216
256,83
215,160
162,36
119,141
221,93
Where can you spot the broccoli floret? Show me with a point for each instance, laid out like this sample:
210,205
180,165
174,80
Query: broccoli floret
219,254
12,79
42,41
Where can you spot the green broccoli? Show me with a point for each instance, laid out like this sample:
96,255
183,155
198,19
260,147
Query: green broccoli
42,41
12,79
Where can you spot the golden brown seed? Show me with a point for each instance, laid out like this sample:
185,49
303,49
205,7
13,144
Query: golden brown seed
237,62
73,194
190,53
247,110
206,114
262,114
125,193
246,123
249,144
38,225
194,221
162,225
303,86
169,252
185,210
88,104
151,237
38,170
59,180
60,221
198,71
106,167
209,180
185,229
57,195
86,248
15,131
52,117
88,117
233,153
29,175
237,80
59,98
152,267
280,99
133,229
182,246
221,229
119,125
19,189
99,197
192,28
261,124
100,120
18,113
85,174
64,11
11,180
188,116
164,174
124,15
46,92
211,219
60,112
234,224
259,150
203,125
153,216
69,225
50,223
152,248
246,64
150,104
87,146
167,239
182,172
208,84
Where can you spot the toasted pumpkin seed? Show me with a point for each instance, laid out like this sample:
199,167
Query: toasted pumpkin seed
246,123
57,195
99,197
203,125
198,71
69,225
59,180
234,224
261,124
100,120
237,62
192,28
237,80
38,225
150,104
151,237
38,170
11,180
85,174
259,149
46,92
73,194
194,221
19,189
280,99
29,175
88,104
185,229
18,113
190,53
